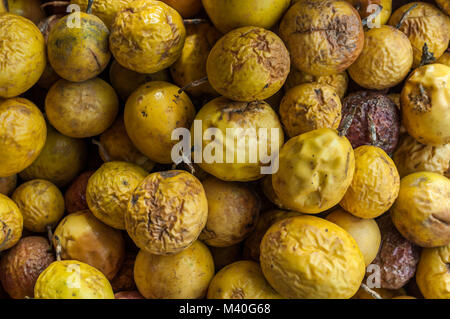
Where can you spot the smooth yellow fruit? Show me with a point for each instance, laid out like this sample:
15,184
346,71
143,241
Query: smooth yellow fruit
22,55
22,135
309,257
71,279
11,223
185,275
106,10
316,168
41,204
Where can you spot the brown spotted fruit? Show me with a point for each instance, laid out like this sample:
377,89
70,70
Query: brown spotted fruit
75,196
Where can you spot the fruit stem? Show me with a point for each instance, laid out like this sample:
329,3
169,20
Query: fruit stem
49,233
402,19
58,248
193,84
427,56
102,150
195,21
370,291
89,6
184,159
372,16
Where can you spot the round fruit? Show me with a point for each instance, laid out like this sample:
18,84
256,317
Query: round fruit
78,52
385,61
421,212
444,5
153,111
309,257
425,103
84,238
8,184
22,55
316,168
70,279
83,109
365,232
75,196
22,135
167,212
106,10
41,204
368,7
223,157
375,184
241,280
229,15
269,192
147,36
187,8
11,223
224,256
233,210
30,9
324,37
185,275
248,64
412,156
21,266
308,107
433,276
424,24
109,190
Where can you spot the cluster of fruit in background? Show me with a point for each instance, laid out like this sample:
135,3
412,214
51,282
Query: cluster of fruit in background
92,205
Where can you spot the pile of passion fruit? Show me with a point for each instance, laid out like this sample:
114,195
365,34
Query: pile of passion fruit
92,204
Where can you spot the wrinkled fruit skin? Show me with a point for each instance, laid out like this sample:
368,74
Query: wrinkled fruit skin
41,204
233,210
425,101
21,266
153,111
248,64
60,161
309,257
8,184
222,113
241,280
167,212
147,36
22,55
185,275
304,185
381,110
302,30
385,60
75,196
20,146
10,220
106,10
57,282
110,189
86,239
421,212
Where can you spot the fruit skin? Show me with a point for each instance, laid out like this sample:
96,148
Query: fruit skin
368,7
147,36
316,168
425,100
128,295
21,266
422,209
60,161
115,145
8,184
444,59
167,212
71,279
124,279
233,210
229,15
384,114
126,81
248,64
83,109
75,196
186,8
78,54
424,24
365,232
444,5
375,184
109,190
241,280
433,277
308,107
385,60
41,204
412,156
308,257
253,242
106,10
10,220
301,29
20,146
269,192
191,65
224,256
185,275
30,9
84,238
22,55
153,111
222,113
